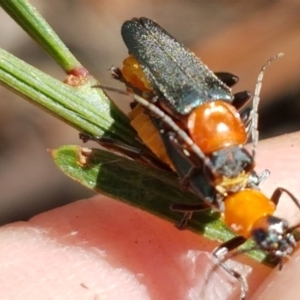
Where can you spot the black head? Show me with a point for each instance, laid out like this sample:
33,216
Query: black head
231,161
273,235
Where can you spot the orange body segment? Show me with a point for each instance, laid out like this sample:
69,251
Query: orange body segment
133,73
148,134
244,208
216,125
140,121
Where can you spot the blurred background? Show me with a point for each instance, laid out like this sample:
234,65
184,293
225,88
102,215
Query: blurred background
235,36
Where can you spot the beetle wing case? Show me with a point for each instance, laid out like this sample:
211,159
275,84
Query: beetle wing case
180,80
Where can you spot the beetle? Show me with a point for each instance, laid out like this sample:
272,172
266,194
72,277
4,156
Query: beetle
250,214
173,79
170,107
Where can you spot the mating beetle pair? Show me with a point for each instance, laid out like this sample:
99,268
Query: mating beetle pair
203,134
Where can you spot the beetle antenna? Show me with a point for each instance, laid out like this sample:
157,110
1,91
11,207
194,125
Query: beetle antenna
256,99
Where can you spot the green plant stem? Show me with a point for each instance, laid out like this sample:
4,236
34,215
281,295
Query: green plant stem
34,24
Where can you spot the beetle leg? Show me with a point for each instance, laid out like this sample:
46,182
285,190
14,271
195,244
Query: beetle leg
221,253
